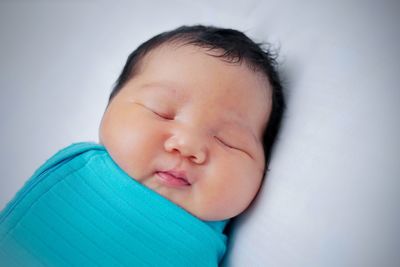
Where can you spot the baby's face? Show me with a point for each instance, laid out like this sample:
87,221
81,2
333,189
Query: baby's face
190,115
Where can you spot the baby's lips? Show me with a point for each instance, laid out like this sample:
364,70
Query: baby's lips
172,180
179,174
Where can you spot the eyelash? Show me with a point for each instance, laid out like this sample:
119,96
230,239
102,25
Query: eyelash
225,144
166,117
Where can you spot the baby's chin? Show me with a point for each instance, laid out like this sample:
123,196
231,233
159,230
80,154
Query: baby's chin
213,215
206,212
203,211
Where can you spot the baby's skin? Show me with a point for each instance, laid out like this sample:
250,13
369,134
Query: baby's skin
189,126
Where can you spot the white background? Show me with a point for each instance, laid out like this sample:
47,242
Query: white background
331,197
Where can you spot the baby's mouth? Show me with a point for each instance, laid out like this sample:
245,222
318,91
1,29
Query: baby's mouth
173,178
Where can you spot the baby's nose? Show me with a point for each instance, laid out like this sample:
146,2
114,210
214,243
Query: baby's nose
188,145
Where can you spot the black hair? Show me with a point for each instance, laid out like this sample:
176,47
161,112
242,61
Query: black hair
236,47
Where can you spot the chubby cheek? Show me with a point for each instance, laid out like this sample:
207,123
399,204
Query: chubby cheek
232,189
131,142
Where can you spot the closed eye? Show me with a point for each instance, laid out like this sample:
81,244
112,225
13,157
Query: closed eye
226,144
161,115
232,147
164,116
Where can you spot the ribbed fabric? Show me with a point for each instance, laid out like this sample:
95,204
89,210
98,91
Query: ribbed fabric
81,209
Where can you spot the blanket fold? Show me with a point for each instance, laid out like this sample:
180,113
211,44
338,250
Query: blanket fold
81,209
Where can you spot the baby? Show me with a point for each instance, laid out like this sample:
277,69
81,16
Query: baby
191,122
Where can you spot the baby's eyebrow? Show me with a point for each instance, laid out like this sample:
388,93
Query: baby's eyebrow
169,85
170,88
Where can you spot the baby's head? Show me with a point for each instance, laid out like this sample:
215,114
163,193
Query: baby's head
193,116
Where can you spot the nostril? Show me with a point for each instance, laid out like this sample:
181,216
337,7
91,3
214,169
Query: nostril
175,151
199,157
193,158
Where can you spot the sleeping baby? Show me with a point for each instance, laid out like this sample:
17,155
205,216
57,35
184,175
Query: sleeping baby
184,144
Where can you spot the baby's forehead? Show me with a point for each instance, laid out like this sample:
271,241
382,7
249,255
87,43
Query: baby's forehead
176,51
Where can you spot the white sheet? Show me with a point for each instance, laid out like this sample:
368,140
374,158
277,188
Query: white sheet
331,197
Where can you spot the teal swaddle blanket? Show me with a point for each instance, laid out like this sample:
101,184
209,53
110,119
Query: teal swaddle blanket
81,209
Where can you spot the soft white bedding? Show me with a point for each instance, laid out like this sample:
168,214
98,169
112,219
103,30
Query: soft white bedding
331,196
